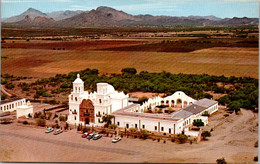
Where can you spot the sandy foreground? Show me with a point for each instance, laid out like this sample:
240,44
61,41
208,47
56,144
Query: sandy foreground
233,138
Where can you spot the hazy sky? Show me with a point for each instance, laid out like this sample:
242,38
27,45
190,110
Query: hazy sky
219,8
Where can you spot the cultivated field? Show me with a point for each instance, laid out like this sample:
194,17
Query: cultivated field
233,138
214,61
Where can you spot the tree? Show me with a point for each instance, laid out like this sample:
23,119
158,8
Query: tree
181,138
129,71
198,122
224,100
235,106
107,119
221,161
205,134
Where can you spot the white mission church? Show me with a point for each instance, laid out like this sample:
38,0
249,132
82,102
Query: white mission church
88,108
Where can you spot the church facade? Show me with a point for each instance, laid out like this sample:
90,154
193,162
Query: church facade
88,108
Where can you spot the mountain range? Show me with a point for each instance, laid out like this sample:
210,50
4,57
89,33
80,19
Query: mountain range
109,17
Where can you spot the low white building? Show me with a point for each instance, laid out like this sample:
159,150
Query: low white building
88,108
19,105
24,110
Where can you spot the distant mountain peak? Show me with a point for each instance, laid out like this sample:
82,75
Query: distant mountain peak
107,16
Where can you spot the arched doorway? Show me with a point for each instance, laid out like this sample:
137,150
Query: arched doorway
86,111
179,103
185,103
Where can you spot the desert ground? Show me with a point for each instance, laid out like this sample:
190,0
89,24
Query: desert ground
214,61
233,138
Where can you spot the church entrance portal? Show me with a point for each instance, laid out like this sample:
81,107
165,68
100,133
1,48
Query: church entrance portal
86,111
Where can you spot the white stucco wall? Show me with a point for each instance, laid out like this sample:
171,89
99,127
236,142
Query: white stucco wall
149,124
11,106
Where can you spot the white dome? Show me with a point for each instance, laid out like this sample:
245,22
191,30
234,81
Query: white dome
78,80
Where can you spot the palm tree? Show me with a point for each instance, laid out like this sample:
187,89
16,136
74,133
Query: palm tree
107,119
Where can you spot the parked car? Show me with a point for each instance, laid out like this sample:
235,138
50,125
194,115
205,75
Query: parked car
97,136
49,130
90,136
85,134
58,132
116,139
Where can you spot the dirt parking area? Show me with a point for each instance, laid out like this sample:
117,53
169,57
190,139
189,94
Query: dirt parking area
233,138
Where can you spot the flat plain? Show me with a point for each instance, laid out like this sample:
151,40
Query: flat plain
214,61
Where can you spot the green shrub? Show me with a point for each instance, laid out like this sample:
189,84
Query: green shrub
198,122
129,71
9,85
144,134
221,161
62,118
206,113
181,138
85,129
25,122
133,130
112,126
205,134
3,96
256,144
40,122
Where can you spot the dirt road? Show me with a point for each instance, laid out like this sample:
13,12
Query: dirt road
233,138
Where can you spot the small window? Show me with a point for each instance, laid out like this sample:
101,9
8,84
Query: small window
155,127
162,129
143,126
99,113
7,107
4,107
76,99
170,131
100,101
99,120
12,105
118,123
1,108
75,117
127,126
135,125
